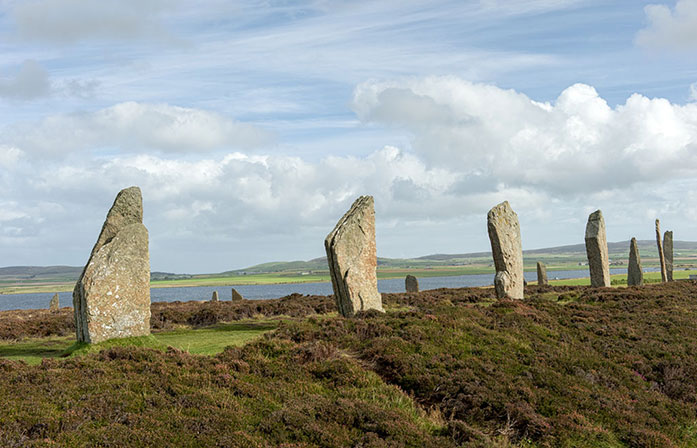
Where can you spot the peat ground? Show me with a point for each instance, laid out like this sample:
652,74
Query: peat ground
568,366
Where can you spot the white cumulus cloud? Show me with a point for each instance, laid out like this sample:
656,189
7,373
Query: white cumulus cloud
575,145
672,29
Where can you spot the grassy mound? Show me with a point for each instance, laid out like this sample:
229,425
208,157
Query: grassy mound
569,366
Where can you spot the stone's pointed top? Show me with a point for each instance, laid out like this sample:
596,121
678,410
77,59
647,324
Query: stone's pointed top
596,224
236,296
358,208
503,207
128,204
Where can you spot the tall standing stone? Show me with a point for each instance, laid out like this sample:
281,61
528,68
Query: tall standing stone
661,255
507,250
635,275
214,297
668,254
236,296
596,250
541,274
352,259
112,296
411,284
54,305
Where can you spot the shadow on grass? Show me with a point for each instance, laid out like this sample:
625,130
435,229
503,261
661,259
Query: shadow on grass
244,326
39,352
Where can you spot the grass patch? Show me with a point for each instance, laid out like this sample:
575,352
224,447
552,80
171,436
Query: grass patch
206,341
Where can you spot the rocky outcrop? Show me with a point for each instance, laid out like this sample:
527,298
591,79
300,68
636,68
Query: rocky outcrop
352,259
112,296
635,275
236,296
596,250
411,284
661,255
507,250
668,254
542,274
54,305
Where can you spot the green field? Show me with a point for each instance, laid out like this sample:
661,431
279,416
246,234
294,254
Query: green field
207,341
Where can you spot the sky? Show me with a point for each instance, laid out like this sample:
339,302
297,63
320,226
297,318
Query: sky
251,126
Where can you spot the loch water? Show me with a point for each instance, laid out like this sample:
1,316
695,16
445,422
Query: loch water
255,292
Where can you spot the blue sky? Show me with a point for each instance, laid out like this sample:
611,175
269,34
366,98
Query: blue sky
252,125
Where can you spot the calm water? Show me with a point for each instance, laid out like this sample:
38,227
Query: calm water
41,300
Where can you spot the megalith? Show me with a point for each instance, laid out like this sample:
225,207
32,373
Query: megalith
596,250
542,274
112,296
214,297
54,305
507,251
661,254
352,259
236,296
411,284
668,254
635,275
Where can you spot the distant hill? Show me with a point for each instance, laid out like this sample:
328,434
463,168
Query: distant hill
569,252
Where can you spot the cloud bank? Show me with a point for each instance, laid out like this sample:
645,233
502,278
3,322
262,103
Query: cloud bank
472,146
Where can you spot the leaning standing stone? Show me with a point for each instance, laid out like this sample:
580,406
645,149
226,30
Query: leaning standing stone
668,254
507,250
214,297
54,305
635,275
352,259
112,297
236,296
596,250
661,255
411,284
541,274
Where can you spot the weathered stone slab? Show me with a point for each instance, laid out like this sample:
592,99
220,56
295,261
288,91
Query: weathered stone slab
596,250
214,297
507,251
661,255
635,275
411,284
668,254
352,259
112,296
236,296
542,274
54,305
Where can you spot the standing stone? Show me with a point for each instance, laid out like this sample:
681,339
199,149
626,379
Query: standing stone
541,274
596,250
214,297
411,284
668,254
635,275
661,255
236,296
112,296
507,250
54,305
352,259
